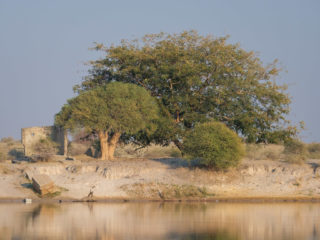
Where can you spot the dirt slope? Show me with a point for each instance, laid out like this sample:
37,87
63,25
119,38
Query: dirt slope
163,179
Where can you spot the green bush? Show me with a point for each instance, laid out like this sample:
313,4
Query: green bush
214,145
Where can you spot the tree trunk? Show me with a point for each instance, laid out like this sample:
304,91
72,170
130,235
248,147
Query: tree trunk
113,144
65,142
178,145
104,148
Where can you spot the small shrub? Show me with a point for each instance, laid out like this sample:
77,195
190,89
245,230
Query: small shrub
295,151
44,150
252,151
264,151
16,154
7,140
295,146
314,150
271,155
314,147
158,151
175,153
214,145
295,158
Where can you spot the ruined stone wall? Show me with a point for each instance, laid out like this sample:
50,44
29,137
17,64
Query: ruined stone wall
31,136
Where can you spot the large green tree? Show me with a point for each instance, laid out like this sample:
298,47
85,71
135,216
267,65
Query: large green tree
199,78
111,110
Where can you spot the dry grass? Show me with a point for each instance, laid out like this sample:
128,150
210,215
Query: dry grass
75,148
295,158
295,152
45,150
10,149
264,151
129,151
313,150
153,151
6,170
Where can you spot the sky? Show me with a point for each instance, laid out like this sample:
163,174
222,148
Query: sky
44,46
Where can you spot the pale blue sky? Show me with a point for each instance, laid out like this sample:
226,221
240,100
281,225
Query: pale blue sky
44,45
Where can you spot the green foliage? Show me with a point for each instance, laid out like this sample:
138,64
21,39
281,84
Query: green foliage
175,153
116,107
164,132
197,79
215,145
63,118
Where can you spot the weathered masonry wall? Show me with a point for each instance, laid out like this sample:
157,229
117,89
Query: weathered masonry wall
31,136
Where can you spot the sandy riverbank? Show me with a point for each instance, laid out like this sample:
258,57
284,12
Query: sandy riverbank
164,180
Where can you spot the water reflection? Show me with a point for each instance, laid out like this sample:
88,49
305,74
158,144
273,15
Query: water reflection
216,221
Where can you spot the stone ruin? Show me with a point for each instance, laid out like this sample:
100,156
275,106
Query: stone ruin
32,135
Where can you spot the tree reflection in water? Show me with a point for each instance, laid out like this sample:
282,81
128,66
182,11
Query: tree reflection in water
203,236
172,221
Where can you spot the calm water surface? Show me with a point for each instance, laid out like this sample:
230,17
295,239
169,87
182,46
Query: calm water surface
219,221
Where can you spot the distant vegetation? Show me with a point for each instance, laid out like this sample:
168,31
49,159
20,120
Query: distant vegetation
10,149
197,79
169,95
160,89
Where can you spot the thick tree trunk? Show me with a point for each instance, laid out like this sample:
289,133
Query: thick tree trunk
65,142
113,144
104,147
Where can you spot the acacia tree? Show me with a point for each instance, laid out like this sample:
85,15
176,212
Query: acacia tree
111,110
198,79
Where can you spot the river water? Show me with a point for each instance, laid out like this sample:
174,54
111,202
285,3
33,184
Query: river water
110,221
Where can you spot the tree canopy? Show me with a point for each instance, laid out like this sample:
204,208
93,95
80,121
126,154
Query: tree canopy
110,110
197,79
